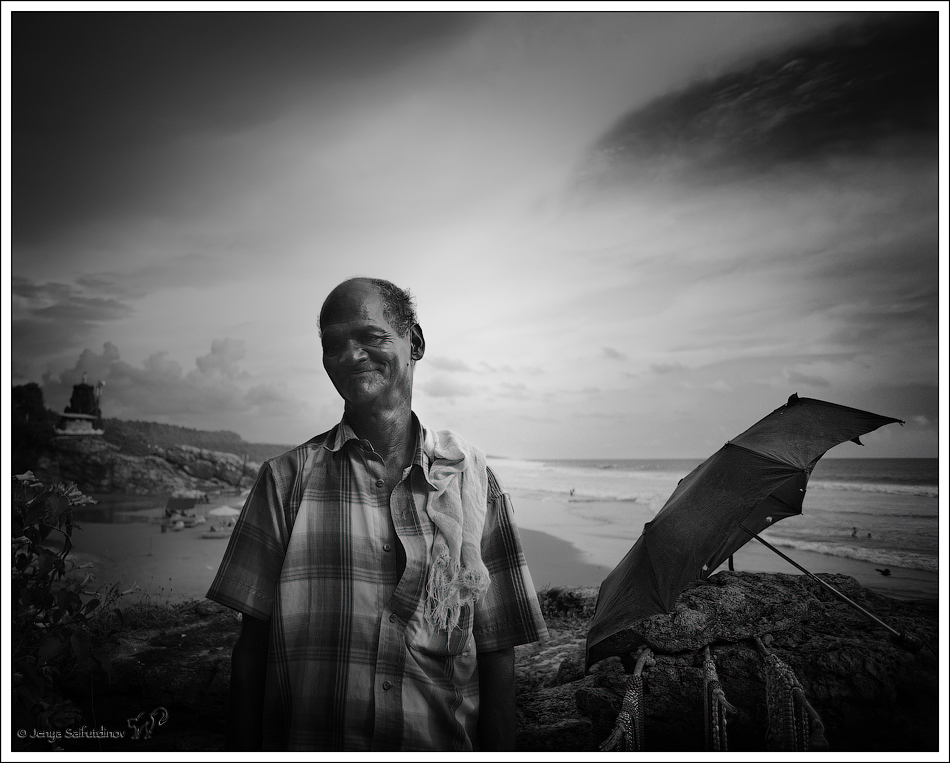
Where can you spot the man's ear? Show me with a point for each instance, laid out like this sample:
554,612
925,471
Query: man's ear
418,341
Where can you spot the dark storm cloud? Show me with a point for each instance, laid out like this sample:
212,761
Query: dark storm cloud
863,87
195,270
99,99
50,317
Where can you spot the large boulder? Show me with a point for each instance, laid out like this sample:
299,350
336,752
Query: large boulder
870,694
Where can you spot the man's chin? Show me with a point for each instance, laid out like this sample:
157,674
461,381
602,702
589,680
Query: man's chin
360,395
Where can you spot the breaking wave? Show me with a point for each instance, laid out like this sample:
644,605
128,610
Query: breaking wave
927,491
883,556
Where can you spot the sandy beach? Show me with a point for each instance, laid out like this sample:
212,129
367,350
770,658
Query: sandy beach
563,549
598,543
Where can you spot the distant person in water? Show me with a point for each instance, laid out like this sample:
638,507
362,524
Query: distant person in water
854,532
885,572
377,567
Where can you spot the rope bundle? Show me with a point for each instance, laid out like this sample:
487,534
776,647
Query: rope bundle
794,725
715,705
627,734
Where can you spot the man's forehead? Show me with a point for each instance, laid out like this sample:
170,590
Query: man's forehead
354,302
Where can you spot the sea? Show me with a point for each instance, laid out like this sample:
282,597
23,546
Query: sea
879,510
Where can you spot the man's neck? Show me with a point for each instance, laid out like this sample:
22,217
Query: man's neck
388,431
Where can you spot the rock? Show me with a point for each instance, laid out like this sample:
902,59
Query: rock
571,669
730,606
98,466
871,695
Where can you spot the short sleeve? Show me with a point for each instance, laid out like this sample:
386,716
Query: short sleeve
249,572
509,613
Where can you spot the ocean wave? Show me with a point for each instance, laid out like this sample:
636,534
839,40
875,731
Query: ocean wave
901,515
589,496
890,557
928,491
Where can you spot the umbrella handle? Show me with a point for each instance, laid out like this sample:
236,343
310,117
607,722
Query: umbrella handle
903,640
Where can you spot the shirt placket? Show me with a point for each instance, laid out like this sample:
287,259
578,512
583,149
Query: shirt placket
396,612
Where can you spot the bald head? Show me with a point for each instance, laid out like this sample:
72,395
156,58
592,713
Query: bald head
398,305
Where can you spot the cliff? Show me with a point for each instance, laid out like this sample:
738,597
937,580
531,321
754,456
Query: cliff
99,466
870,694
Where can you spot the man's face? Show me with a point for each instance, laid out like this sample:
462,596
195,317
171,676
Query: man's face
364,356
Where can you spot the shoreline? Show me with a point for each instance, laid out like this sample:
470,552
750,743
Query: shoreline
177,566
598,543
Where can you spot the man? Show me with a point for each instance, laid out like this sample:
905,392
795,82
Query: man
377,567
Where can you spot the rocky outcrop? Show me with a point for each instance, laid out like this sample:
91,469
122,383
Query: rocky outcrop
870,694
98,466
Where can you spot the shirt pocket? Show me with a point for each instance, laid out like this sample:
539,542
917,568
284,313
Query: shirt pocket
423,636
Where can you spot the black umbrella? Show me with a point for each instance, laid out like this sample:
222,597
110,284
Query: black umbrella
752,482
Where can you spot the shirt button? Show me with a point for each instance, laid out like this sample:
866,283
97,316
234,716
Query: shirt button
387,547
392,617
387,685
379,483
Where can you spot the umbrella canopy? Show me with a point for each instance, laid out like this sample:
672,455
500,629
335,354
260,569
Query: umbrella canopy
224,511
752,482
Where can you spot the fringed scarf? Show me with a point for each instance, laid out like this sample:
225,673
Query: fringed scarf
456,504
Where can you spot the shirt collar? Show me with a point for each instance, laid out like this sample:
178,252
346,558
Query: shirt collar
343,433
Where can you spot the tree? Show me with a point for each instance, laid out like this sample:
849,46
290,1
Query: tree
31,426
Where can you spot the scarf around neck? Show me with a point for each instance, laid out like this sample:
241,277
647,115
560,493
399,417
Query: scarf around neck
457,502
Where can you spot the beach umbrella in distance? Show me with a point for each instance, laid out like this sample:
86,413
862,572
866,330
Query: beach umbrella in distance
753,481
224,511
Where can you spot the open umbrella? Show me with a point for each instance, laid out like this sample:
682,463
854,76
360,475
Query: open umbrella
752,482
224,511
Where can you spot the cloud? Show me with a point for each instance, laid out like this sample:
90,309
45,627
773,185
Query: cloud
516,391
797,377
444,386
612,354
216,391
223,359
447,364
869,84
50,317
667,368
183,270
489,368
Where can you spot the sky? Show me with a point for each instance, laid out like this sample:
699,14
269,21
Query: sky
629,234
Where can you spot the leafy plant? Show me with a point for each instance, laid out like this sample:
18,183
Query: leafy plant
51,611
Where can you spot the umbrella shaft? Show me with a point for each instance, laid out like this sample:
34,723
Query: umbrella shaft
831,588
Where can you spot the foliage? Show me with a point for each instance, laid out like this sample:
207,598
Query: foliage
32,426
51,611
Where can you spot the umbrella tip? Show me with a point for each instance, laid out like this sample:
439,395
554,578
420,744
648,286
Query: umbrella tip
792,399
858,441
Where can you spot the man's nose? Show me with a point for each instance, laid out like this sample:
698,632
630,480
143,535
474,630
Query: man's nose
353,353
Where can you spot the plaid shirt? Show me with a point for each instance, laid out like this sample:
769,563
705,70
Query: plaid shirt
339,570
